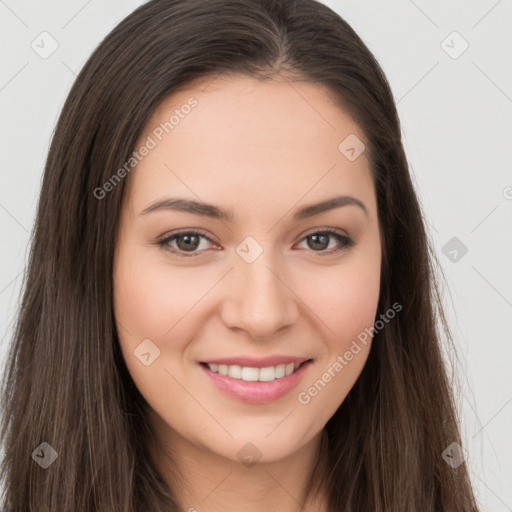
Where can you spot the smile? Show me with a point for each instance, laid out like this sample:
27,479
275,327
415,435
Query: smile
251,374
255,385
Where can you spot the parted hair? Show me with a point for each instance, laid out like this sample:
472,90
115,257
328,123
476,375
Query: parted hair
66,383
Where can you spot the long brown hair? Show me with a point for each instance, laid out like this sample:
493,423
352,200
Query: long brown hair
66,383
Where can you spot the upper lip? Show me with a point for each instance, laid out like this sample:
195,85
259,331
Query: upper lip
254,362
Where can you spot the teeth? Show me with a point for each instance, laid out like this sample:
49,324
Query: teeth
249,374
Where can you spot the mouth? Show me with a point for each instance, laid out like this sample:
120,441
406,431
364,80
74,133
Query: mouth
255,373
256,384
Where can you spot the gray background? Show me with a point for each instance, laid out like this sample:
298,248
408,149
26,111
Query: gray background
456,113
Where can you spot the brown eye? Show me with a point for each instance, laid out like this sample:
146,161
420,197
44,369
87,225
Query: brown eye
319,241
186,242
190,242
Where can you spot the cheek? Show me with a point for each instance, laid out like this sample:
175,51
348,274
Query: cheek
147,305
151,298
346,300
156,302
346,313
355,307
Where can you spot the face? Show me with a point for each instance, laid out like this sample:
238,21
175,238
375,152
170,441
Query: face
269,283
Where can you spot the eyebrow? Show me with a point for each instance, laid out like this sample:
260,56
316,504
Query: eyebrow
209,210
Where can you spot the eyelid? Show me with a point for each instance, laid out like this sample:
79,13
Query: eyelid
324,229
186,231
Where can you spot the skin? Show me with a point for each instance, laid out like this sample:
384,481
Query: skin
261,149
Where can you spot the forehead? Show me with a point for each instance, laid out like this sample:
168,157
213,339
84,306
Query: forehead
249,139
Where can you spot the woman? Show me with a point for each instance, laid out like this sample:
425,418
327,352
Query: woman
230,302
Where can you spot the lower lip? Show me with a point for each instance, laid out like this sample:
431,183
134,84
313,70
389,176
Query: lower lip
256,391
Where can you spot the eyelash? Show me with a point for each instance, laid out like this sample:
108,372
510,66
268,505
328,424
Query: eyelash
346,242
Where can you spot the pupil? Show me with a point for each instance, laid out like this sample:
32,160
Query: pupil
315,237
187,245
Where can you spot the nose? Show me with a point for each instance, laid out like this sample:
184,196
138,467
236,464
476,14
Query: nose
259,300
